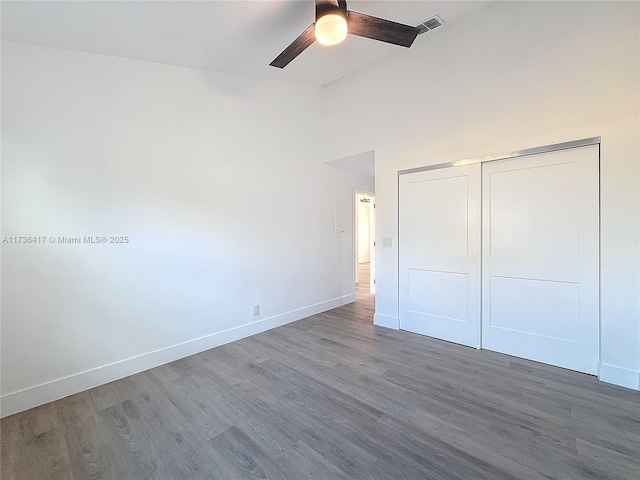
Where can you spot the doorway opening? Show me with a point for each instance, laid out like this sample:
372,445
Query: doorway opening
364,210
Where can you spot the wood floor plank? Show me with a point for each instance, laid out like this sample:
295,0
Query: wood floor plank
134,447
273,440
302,462
609,461
333,396
237,456
41,456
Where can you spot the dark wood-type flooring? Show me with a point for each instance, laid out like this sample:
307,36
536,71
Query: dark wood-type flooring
333,397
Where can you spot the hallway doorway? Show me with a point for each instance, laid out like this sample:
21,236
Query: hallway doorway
364,243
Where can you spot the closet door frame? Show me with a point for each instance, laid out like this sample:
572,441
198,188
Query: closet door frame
490,158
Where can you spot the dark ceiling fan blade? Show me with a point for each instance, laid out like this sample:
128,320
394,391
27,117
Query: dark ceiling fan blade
381,29
298,46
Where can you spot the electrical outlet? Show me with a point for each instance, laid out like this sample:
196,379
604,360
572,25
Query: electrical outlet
256,310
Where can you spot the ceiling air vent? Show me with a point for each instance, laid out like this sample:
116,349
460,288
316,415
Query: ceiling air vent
433,22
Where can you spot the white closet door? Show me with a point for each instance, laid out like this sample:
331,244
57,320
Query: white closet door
540,257
439,247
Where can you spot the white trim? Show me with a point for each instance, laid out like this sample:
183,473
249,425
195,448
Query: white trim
30,397
623,377
386,321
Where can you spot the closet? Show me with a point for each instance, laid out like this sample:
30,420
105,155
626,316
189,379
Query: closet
503,253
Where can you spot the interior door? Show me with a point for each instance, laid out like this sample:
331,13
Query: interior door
540,257
439,248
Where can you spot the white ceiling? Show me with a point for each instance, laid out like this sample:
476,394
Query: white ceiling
364,163
225,36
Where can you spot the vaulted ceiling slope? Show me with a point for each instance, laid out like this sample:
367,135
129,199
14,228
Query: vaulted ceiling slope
225,36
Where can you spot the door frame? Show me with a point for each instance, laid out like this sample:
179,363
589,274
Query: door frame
372,239
492,158
504,156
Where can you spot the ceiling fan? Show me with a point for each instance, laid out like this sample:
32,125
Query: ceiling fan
334,22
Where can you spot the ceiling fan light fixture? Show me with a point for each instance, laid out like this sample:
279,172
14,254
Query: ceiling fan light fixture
334,21
331,28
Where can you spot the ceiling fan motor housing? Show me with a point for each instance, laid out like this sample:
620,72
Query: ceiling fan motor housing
331,25
323,8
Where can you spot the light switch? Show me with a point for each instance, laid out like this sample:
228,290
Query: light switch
387,242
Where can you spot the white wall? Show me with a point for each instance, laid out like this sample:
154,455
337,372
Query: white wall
202,172
514,76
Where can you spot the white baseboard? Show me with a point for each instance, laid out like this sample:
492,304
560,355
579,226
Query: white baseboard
386,321
623,377
30,397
